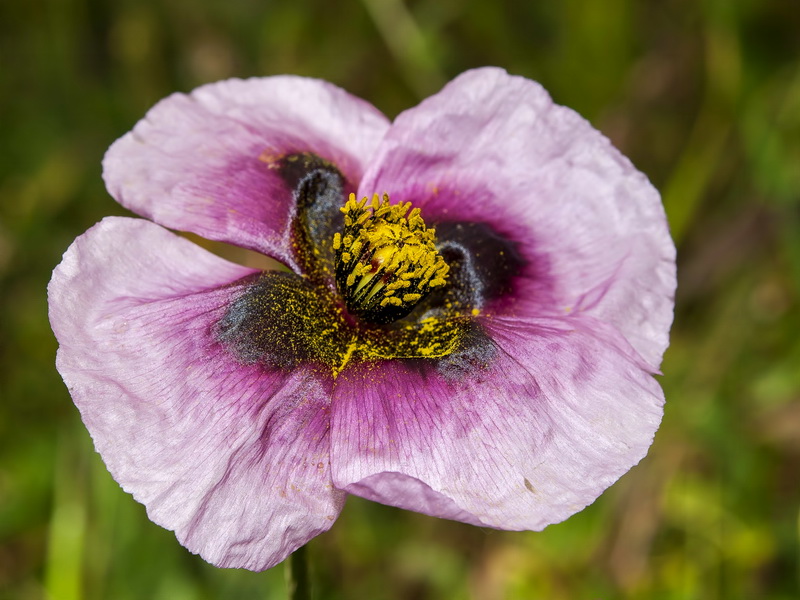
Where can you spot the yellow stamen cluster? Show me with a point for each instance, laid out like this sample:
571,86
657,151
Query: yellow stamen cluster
386,258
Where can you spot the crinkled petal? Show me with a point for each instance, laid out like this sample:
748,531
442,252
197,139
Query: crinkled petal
562,411
233,458
494,148
202,162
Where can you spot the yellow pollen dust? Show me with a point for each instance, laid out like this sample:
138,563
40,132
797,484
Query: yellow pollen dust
345,358
386,256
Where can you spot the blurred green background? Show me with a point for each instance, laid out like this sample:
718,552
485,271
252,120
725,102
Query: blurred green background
702,95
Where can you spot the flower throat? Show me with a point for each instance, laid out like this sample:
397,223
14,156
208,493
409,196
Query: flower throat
386,259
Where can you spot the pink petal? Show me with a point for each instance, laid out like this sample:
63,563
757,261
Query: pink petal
233,458
494,148
201,162
561,412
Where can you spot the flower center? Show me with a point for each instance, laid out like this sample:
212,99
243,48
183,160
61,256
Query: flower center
386,259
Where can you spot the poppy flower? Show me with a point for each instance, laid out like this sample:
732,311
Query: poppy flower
475,299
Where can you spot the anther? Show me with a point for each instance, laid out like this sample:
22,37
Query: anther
384,249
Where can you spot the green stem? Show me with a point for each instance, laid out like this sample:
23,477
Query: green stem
297,576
